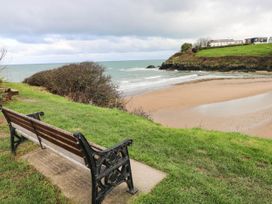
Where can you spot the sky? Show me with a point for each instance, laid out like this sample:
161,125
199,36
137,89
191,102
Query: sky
48,31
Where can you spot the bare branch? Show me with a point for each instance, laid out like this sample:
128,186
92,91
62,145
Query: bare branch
3,53
202,42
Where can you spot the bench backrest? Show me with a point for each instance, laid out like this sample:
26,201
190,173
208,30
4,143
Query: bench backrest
60,141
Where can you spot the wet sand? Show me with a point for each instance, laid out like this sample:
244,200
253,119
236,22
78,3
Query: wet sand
243,105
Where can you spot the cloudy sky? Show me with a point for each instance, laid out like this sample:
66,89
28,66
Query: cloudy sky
43,31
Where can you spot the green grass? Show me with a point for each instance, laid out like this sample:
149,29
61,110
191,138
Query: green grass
245,50
20,183
202,166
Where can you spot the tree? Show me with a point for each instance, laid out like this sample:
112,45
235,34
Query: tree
186,47
2,55
3,52
201,42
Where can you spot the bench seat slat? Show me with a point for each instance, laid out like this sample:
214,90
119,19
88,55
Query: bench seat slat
50,139
22,123
21,119
43,133
59,150
63,134
53,135
15,115
64,146
53,131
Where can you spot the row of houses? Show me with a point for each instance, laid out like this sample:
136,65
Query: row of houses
229,42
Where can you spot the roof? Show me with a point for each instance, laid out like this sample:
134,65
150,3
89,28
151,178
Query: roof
223,40
256,38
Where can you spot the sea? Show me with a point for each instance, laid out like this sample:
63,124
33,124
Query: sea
131,77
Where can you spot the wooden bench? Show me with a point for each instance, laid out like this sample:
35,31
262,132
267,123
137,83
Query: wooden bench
109,167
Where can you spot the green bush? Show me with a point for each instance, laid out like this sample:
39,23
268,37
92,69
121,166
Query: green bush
84,82
186,47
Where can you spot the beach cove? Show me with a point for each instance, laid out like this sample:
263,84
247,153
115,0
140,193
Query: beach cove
232,105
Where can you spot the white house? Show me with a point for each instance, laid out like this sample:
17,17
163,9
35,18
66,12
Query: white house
256,40
270,40
224,42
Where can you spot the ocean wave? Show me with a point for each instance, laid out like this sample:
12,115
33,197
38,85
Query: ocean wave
142,85
136,69
153,77
124,81
133,69
149,84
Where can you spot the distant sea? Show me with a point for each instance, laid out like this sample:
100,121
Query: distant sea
132,77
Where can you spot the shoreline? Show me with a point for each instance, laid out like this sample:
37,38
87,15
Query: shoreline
253,75
176,106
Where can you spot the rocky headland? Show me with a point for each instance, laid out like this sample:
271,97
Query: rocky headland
189,61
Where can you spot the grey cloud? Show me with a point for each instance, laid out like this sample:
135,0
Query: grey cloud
172,18
55,30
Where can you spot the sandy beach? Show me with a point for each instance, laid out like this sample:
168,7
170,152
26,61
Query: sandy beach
243,105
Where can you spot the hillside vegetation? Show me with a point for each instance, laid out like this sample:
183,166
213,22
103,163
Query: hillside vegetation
247,58
84,82
202,166
245,50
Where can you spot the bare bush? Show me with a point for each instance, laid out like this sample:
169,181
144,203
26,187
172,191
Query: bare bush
201,43
2,55
140,112
84,82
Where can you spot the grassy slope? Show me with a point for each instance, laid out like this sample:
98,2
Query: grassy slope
246,50
203,166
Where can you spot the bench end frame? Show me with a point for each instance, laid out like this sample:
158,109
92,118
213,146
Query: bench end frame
109,168
15,139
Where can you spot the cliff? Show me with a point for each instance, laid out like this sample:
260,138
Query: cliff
192,61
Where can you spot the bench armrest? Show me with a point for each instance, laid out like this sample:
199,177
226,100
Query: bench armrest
109,167
117,147
36,115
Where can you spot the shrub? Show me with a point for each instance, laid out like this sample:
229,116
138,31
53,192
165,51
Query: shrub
1,98
186,47
140,112
1,91
84,82
2,55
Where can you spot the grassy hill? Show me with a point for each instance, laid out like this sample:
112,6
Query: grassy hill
245,50
246,58
202,166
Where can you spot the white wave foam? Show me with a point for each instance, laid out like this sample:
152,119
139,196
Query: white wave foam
161,82
133,69
153,77
142,85
124,82
136,69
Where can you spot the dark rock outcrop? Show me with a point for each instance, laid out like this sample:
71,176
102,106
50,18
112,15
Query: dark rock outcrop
151,67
